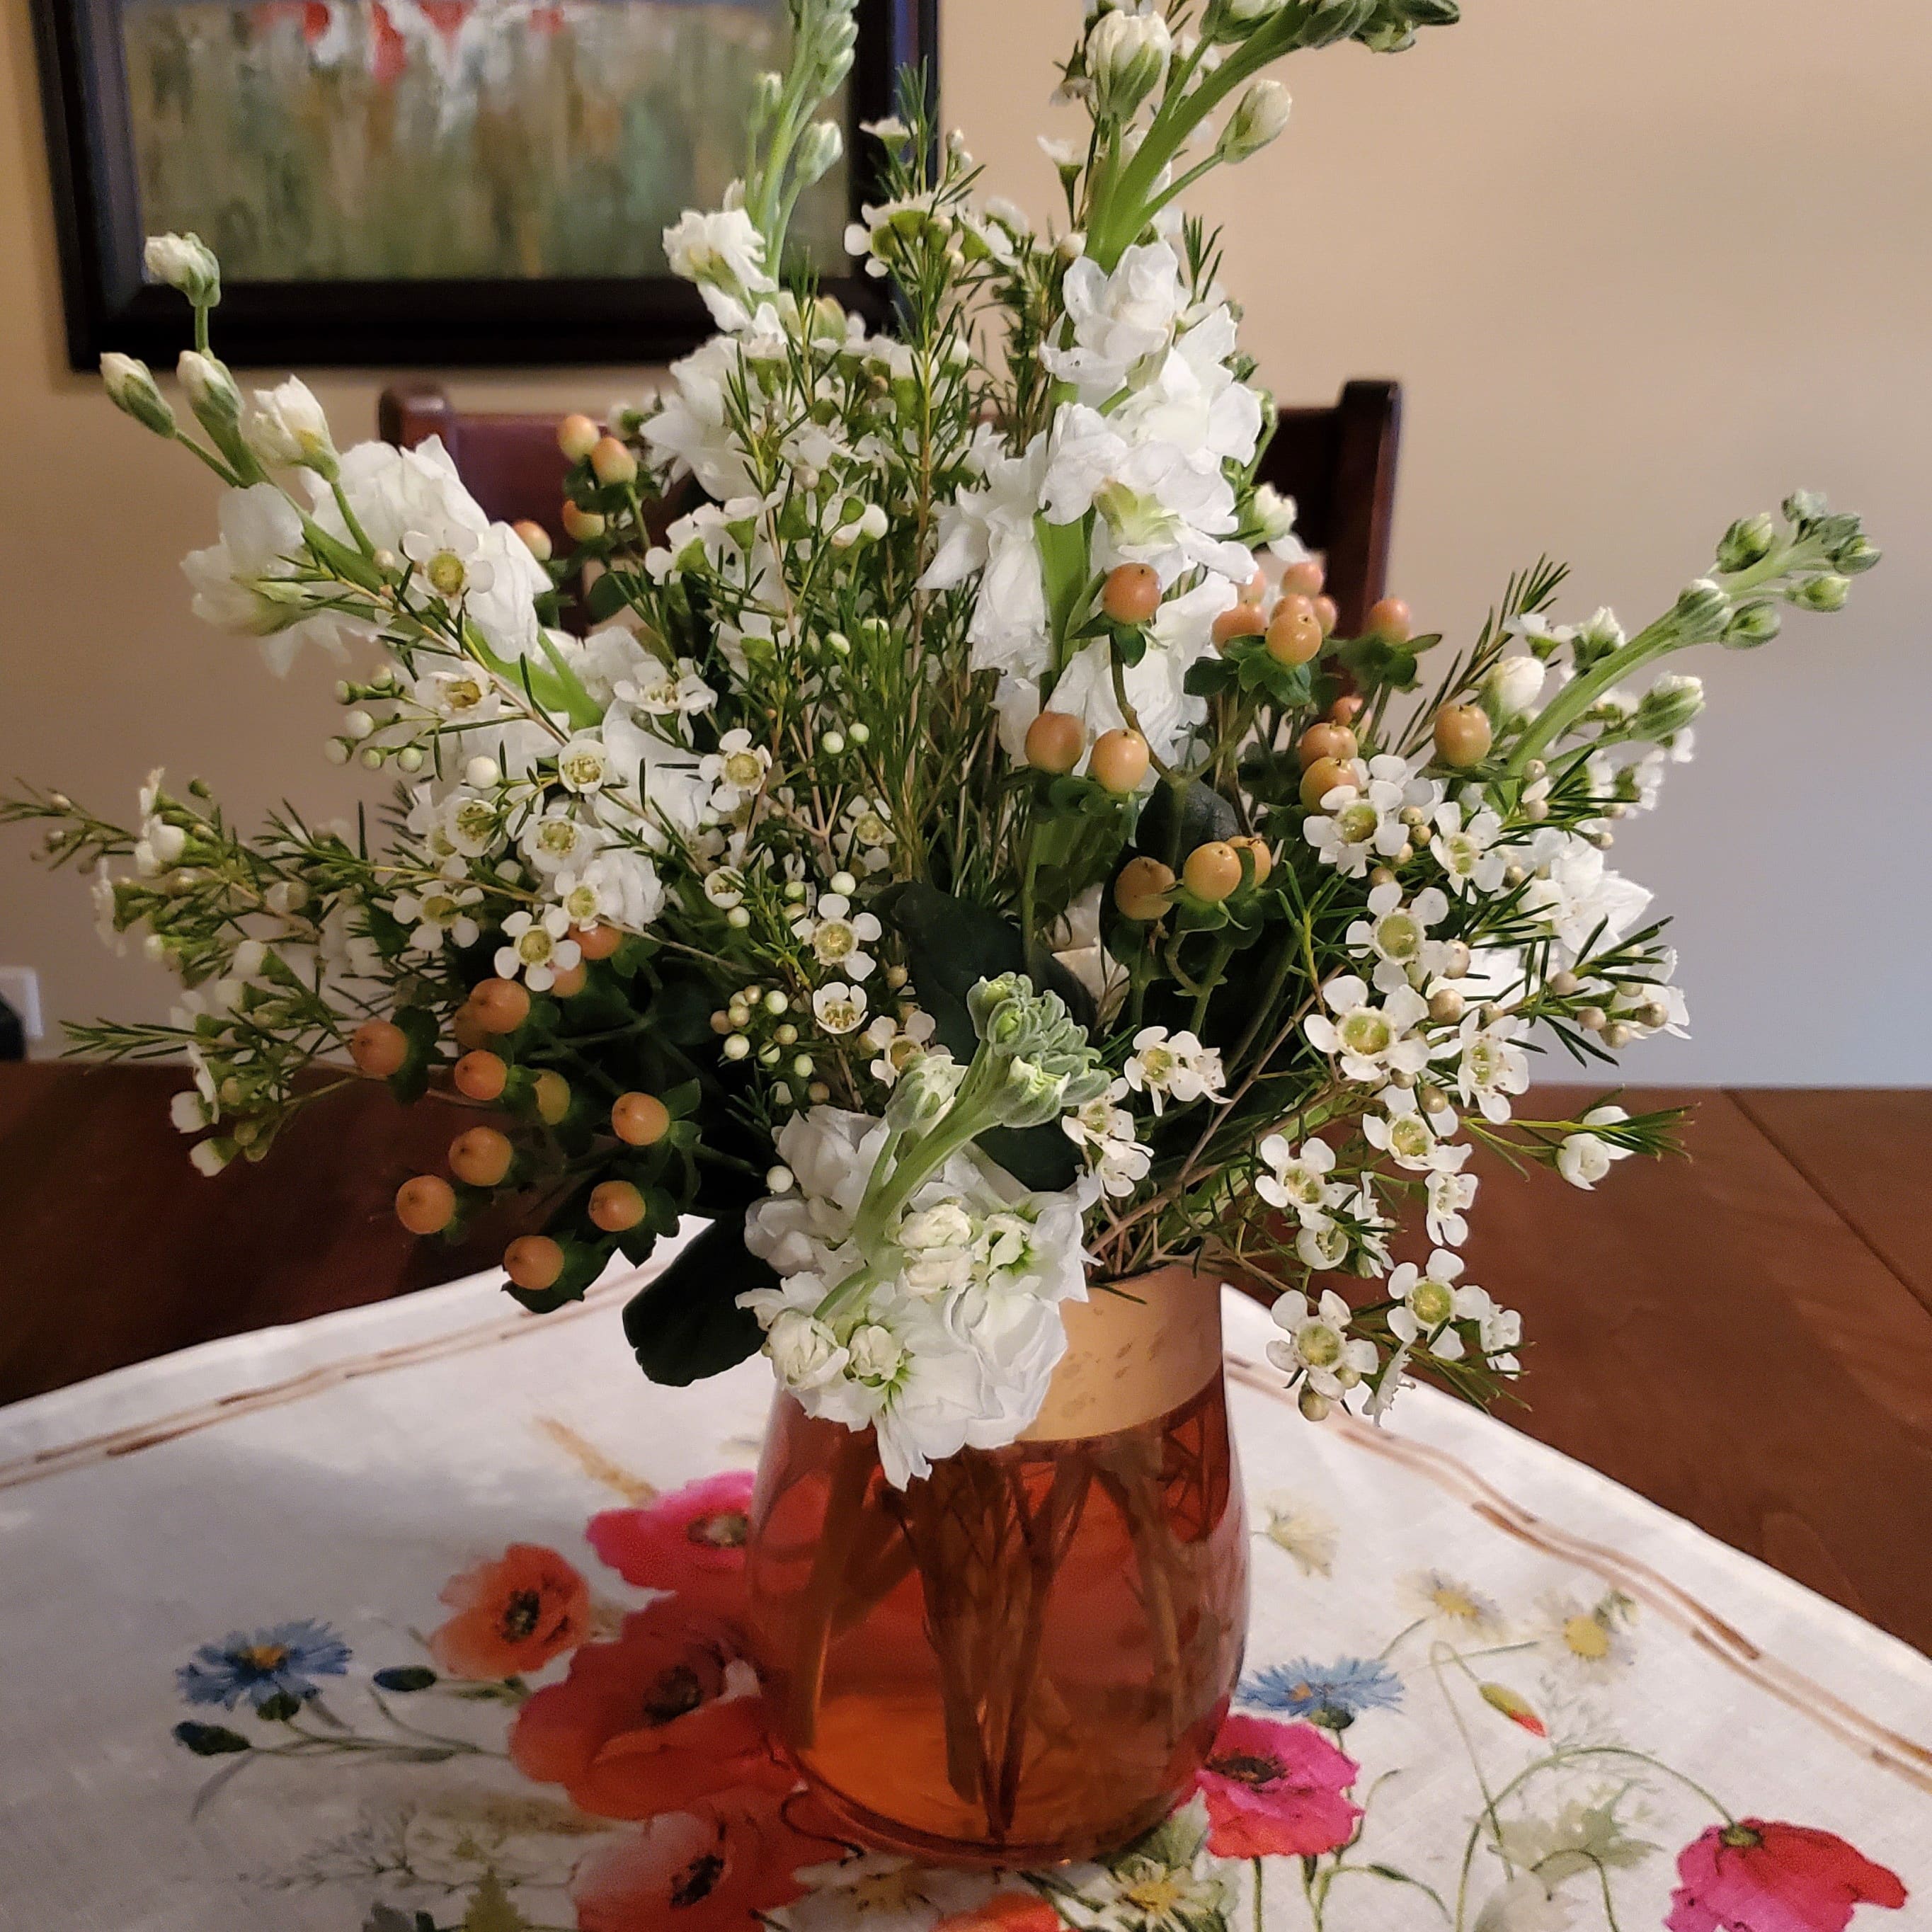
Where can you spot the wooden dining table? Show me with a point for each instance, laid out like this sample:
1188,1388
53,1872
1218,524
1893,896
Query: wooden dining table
1744,1336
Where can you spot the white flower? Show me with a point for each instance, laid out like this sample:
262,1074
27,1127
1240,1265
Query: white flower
556,839
1177,1068
439,912
186,262
990,530
241,583
839,1008
1405,1134
736,770
675,692
1491,1067
689,430
1317,1345
837,935
465,824
724,887
1513,686
1361,823
1449,1193
190,1110
1584,1158
1104,1132
1370,1041
865,832
584,764
1430,1301
1464,851
1397,935
1121,321
1127,54
287,427
897,1044
1298,1179
724,252
805,1353
210,1157
464,695
1576,896
539,948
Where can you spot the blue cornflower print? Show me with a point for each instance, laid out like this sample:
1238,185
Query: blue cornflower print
282,1662
1333,1696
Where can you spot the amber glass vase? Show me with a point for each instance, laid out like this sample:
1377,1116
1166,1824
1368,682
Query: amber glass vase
1024,1657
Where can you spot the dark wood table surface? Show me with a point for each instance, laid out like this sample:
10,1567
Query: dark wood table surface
1745,1337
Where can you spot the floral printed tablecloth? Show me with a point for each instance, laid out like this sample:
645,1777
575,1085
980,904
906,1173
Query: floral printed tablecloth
419,1618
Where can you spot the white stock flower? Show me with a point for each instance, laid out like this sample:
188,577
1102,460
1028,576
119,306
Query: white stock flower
990,530
1120,321
186,262
724,254
1513,686
1584,1158
1318,1346
287,427
689,430
1370,1042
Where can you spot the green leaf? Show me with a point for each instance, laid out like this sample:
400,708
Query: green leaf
1179,818
686,1325
1209,677
608,596
410,1081
279,1709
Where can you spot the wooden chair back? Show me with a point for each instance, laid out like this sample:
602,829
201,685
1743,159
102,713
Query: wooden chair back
1337,462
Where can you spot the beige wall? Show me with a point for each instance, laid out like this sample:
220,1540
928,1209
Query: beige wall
1643,266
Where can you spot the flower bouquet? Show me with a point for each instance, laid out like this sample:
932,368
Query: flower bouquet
930,827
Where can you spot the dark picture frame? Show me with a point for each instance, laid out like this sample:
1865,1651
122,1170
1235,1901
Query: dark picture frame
389,324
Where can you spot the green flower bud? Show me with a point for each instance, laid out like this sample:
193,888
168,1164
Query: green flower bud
819,147
1669,704
1755,624
766,92
1802,508
186,262
1703,610
131,389
1821,593
1031,1097
1856,555
1126,56
1747,542
210,391
924,1091
1260,117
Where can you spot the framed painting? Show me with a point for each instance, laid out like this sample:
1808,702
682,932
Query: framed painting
423,182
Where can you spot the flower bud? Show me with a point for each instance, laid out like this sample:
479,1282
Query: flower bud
288,428
611,463
924,1091
131,389
1856,555
1126,59
1261,116
210,391
186,262
1668,706
767,91
1032,1096
1513,685
1747,542
1821,593
1703,609
819,148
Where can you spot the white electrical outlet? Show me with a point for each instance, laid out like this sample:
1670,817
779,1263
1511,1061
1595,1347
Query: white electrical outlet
20,988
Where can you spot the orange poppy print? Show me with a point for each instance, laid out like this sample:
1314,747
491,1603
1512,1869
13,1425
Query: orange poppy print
513,1616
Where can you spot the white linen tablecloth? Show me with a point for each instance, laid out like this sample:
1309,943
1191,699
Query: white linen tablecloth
1539,1701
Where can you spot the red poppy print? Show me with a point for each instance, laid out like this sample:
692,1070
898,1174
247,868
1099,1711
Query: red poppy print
666,1715
1276,1791
706,1870
691,1542
513,1616
1754,1876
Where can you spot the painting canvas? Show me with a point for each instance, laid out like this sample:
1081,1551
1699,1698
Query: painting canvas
399,180
334,139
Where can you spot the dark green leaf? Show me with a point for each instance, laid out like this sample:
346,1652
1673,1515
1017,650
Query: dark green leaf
608,596
1179,818
686,1325
210,1740
279,1709
405,1677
